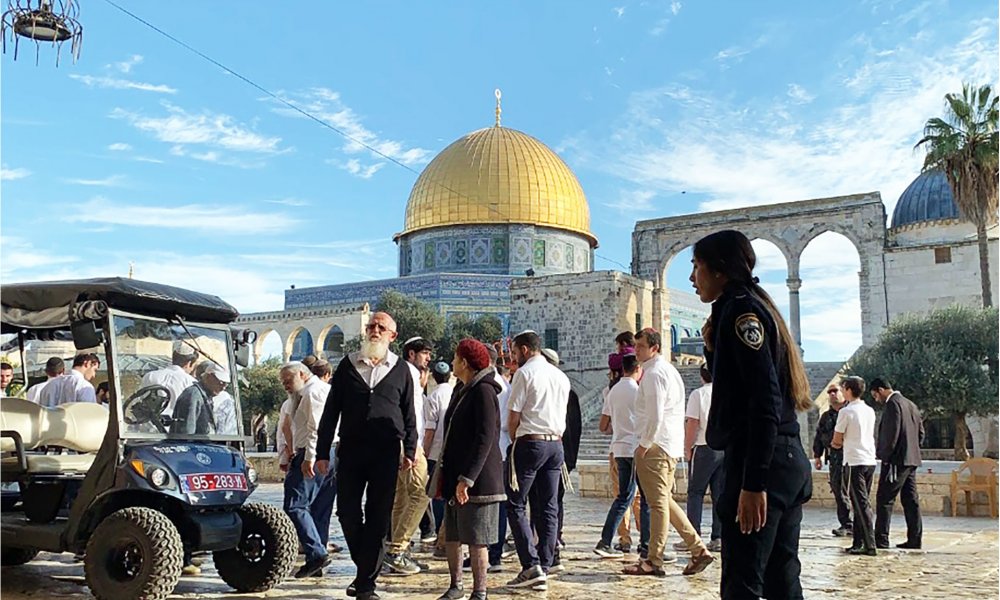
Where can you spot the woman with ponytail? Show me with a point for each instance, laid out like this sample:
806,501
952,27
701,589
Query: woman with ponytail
759,384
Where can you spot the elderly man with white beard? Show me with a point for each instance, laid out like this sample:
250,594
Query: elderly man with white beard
371,397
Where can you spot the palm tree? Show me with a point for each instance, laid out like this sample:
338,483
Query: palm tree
964,145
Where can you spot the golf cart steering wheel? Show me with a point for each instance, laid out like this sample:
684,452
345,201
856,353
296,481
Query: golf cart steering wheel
146,405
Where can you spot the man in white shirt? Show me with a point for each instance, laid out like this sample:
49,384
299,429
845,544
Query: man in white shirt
435,406
54,368
410,503
620,414
176,377
705,465
660,415
75,386
855,433
539,399
503,400
308,395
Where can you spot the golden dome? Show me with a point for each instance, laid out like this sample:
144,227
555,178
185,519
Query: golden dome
498,175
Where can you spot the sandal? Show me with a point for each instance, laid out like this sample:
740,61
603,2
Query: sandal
639,568
698,563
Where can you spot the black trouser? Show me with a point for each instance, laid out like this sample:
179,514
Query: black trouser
430,521
368,470
904,485
860,488
838,485
765,563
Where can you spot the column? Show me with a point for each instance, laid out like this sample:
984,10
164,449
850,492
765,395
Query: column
794,283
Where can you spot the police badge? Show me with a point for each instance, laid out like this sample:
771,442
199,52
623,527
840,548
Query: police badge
750,331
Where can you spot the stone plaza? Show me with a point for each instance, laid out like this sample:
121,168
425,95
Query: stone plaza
959,560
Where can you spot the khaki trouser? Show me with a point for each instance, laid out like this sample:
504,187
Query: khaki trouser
656,476
624,528
409,505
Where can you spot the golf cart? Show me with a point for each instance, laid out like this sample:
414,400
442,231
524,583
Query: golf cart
122,483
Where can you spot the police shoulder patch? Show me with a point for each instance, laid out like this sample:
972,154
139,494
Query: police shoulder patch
750,331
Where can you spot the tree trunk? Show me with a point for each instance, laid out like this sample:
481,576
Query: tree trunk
961,437
984,264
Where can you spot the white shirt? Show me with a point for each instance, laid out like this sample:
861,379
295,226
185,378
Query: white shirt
308,406
279,436
435,406
418,404
71,387
503,400
660,407
619,406
540,392
174,379
699,403
370,372
34,392
857,422
224,411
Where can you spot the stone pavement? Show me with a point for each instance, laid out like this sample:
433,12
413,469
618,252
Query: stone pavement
959,560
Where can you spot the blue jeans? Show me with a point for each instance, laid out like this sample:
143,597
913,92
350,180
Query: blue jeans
706,470
300,493
437,504
537,465
496,550
621,504
322,506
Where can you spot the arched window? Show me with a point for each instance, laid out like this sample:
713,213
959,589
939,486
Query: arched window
674,339
302,345
333,344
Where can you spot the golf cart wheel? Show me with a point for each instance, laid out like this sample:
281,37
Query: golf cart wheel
134,553
10,557
266,552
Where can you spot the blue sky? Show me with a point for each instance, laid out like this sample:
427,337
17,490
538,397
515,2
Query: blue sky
143,152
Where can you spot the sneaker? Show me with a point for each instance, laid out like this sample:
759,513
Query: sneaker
561,545
541,586
190,570
862,551
508,550
681,546
669,558
842,532
605,551
715,545
477,596
430,538
529,577
400,564
557,566
455,592
909,546
623,548
421,565
497,568
352,590
333,548
313,566
698,563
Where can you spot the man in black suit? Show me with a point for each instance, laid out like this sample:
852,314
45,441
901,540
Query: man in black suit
898,447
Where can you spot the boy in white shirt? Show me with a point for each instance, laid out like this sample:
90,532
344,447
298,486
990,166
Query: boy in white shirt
855,433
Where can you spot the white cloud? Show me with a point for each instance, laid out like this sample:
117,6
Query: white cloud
327,105
110,181
733,52
20,255
126,65
115,83
8,174
119,147
675,8
659,26
633,202
218,131
289,202
201,218
619,11
799,95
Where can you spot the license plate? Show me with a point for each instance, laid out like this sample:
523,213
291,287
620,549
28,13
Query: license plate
210,482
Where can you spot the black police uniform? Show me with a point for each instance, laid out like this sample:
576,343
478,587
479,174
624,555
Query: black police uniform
753,420
835,457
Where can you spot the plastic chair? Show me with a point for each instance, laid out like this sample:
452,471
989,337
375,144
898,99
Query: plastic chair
975,475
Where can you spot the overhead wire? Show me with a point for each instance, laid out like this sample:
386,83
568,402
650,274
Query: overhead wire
312,117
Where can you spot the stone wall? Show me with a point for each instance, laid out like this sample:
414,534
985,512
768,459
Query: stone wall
319,323
933,488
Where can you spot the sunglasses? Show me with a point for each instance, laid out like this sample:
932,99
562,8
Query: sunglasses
833,391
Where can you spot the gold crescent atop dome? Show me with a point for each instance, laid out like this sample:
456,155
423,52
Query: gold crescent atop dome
498,175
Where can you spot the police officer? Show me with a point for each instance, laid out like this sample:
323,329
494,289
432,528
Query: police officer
835,457
759,383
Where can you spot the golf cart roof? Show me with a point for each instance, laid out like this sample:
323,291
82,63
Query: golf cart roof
46,304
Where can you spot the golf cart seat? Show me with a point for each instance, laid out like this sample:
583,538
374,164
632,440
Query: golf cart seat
76,426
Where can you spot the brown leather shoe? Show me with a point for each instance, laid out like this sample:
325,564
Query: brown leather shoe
699,563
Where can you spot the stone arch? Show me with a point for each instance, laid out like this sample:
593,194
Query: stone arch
299,344
258,345
790,226
331,341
